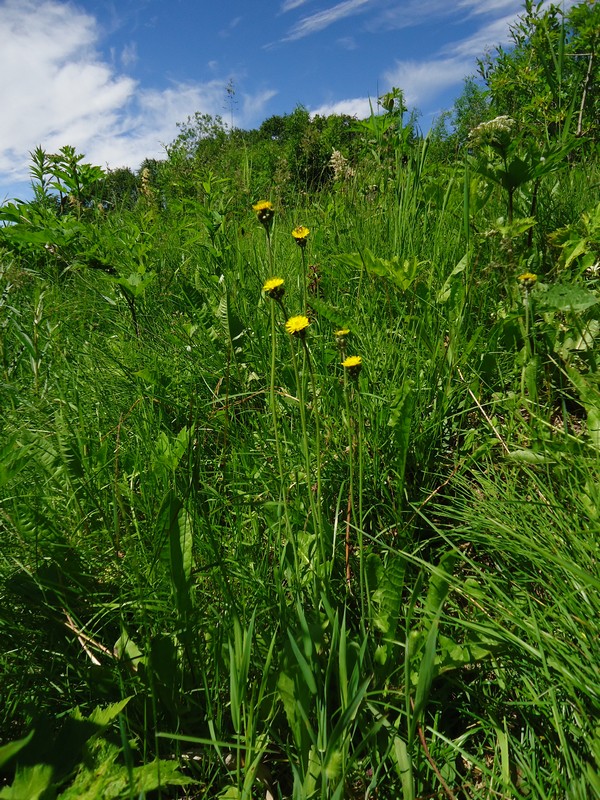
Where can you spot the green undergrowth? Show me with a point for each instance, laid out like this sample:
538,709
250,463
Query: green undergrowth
238,561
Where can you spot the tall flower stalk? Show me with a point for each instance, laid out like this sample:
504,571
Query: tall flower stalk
297,327
300,234
352,366
527,281
274,288
265,214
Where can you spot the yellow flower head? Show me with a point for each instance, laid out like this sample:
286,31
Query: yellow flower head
300,234
341,337
353,364
527,279
296,326
274,288
264,211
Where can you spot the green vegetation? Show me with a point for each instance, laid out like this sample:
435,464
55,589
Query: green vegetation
311,514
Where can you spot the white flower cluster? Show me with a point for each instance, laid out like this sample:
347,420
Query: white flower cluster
496,132
341,169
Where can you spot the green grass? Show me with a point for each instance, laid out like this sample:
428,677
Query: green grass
401,602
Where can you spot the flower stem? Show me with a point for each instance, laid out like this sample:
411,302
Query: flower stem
315,410
304,292
315,512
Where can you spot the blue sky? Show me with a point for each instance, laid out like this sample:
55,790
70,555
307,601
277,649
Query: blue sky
114,78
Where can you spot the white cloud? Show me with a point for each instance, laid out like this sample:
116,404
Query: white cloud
63,92
355,107
323,19
423,81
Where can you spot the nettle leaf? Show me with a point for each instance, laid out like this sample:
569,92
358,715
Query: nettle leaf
589,395
566,297
331,314
30,783
515,228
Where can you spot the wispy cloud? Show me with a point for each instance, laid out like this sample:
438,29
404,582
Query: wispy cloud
254,105
424,81
323,19
347,42
290,5
479,7
231,26
129,54
409,14
492,35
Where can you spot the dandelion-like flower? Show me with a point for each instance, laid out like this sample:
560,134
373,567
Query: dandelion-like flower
274,288
353,364
296,326
300,234
527,279
265,212
341,337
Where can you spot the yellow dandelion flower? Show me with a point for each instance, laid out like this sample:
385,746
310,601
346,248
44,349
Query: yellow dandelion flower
263,205
296,326
300,234
353,364
264,211
341,337
527,279
274,288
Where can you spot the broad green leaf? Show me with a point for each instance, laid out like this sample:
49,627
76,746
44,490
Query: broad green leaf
158,774
401,411
387,597
304,666
449,286
528,457
11,749
426,674
404,768
439,585
175,523
14,456
128,651
566,297
104,716
31,783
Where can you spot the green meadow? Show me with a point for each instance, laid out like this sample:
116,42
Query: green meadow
300,453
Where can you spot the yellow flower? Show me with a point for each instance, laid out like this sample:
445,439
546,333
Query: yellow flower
353,364
263,205
527,279
296,326
341,336
264,211
300,234
274,288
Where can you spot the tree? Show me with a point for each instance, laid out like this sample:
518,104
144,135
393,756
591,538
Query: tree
548,79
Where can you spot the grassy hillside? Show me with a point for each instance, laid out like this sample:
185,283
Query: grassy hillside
303,500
